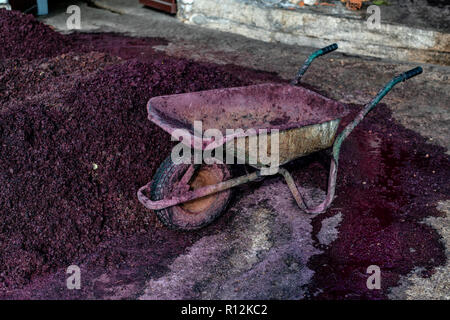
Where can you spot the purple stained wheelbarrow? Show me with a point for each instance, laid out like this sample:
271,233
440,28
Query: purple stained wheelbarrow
296,120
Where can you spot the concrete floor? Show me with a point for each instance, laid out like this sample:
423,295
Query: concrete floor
421,104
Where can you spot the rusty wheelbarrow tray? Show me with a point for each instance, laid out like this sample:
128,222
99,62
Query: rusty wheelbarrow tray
303,121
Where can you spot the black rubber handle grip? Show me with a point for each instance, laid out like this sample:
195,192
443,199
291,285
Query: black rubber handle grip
411,73
329,48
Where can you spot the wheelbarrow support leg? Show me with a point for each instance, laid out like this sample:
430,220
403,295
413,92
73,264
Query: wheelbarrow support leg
337,147
310,59
195,194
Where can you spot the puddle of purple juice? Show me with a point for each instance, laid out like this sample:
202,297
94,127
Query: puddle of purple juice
389,180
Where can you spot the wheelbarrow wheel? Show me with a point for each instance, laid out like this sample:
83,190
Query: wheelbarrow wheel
197,213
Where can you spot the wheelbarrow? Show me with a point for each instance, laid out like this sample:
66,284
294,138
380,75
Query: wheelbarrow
190,195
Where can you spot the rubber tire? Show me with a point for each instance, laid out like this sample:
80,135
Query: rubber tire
176,217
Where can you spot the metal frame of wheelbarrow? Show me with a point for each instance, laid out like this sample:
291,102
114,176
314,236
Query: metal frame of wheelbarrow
298,193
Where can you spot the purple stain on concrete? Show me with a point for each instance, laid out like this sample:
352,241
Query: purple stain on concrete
390,179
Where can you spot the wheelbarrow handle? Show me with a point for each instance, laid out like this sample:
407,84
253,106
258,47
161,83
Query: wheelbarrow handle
411,73
337,147
310,59
327,49
388,87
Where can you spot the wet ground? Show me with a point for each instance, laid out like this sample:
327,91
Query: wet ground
388,184
84,104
